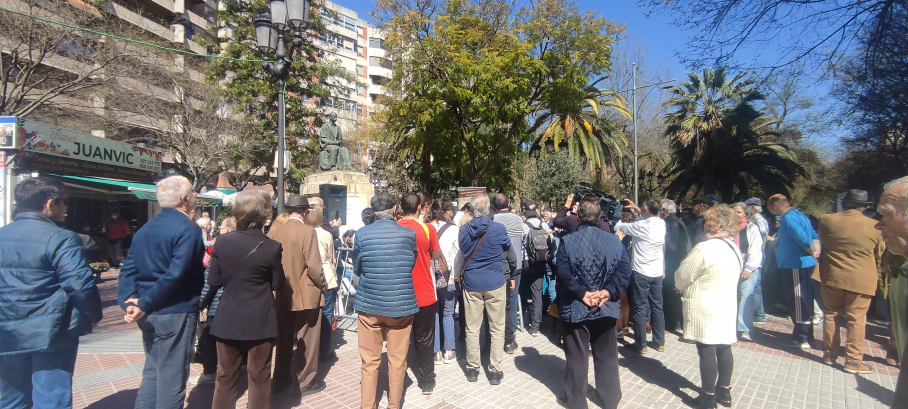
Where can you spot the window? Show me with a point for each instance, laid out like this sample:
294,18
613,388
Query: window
377,43
339,103
339,19
74,47
360,70
379,62
338,41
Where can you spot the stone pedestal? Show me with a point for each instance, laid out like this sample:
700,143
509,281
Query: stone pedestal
359,190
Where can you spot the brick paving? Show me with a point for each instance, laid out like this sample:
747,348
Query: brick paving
108,372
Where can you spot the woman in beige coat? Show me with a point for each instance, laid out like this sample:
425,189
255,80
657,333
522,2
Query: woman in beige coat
708,280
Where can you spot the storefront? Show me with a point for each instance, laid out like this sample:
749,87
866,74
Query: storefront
98,172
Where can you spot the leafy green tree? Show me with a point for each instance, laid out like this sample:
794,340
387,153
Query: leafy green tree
720,142
550,178
254,92
468,73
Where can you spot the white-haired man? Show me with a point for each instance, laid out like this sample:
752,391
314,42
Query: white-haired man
893,224
160,285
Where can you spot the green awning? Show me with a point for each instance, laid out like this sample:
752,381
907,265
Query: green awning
142,190
227,191
111,182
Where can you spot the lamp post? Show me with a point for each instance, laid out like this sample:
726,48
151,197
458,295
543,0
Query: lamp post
650,185
285,17
634,101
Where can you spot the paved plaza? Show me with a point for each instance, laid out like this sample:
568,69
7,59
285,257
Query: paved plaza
108,372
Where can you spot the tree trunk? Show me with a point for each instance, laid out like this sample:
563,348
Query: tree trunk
426,168
709,182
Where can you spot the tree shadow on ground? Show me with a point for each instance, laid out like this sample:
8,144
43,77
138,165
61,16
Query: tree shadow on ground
770,339
547,369
119,400
654,372
874,390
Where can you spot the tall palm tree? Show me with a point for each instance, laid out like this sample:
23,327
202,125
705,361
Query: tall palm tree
720,141
578,120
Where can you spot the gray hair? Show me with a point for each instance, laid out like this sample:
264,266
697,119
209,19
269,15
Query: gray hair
901,192
756,209
385,213
480,205
669,206
747,212
171,190
588,212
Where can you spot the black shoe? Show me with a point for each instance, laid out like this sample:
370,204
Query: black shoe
562,401
314,387
427,387
472,375
723,396
704,401
634,348
495,378
510,348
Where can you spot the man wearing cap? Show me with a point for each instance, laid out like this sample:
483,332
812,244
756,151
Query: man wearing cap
299,303
848,277
797,257
697,229
384,254
535,272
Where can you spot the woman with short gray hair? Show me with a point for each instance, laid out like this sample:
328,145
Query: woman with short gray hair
247,264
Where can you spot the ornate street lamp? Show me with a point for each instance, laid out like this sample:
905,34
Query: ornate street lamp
535,150
285,17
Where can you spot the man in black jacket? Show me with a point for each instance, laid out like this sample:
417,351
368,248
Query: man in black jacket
593,269
567,220
675,250
697,229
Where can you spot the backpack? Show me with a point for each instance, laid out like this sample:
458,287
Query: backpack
537,245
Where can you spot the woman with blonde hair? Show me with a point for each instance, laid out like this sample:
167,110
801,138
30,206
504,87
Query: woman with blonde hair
329,268
279,221
708,280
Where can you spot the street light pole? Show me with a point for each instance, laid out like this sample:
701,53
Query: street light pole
634,101
281,145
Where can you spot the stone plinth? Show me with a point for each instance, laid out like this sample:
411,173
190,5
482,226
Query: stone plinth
359,190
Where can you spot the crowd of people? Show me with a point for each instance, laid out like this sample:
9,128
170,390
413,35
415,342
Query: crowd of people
269,288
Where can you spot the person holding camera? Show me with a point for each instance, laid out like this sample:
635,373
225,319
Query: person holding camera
648,263
567,220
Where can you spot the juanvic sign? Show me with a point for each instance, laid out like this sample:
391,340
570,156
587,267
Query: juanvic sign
61,142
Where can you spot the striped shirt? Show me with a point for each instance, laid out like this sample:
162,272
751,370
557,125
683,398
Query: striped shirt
512,222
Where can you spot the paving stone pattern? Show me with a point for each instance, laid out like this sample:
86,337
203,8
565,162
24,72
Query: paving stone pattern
108,372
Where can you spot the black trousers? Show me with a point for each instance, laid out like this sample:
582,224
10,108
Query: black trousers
510,315
424,342
534,275
716,364
578,337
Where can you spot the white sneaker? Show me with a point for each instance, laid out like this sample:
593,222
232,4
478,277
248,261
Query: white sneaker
818,319
203,379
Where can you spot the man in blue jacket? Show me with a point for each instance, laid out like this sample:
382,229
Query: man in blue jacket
593,269
383,257
795,253
160,285
48,299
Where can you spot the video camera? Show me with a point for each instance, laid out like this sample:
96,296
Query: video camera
610,206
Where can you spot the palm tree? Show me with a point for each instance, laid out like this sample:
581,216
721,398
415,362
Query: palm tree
720,142
578,121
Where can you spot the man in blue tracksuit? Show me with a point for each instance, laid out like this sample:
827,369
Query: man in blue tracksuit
795,253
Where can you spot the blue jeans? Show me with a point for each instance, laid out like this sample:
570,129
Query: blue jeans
646,301
39,379
168,340
328,312
759,312
746,301
444,320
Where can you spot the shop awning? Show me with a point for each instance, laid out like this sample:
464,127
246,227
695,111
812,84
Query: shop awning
142,190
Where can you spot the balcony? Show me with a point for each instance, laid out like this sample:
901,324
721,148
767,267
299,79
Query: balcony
377,90
380,72
138,20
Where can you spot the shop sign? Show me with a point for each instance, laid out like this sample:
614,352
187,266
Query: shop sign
468,192
65,166
48,140
7,132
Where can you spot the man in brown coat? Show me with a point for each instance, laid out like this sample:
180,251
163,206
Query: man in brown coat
299,302
850,246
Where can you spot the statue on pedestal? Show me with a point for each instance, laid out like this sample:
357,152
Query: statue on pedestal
333,155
